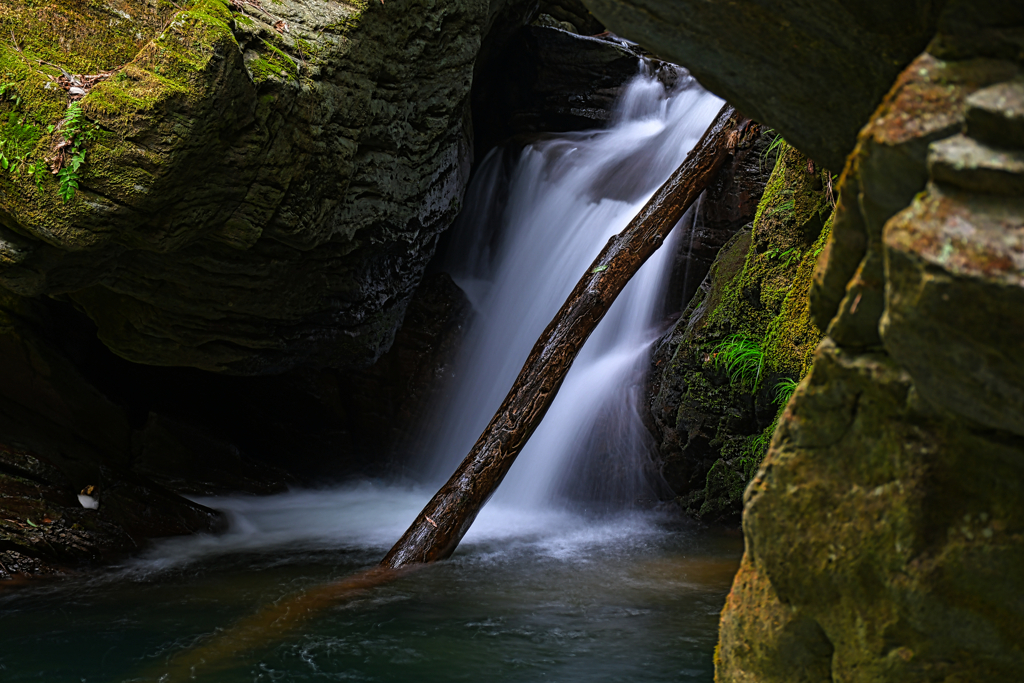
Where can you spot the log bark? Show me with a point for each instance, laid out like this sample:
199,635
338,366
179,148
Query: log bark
439,528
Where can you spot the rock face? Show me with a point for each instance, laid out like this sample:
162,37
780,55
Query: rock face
711,426
62,437
257,188
385,403
776,61
885,529
561,82
262,185
728,205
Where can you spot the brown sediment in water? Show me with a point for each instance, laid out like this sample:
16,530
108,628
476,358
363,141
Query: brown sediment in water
703,572
271,623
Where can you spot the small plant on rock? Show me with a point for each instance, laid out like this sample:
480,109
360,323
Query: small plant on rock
775,146
742,359
784,390
71,153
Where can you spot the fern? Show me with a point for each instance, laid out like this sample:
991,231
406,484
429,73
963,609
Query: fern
69,174
742,359
78,131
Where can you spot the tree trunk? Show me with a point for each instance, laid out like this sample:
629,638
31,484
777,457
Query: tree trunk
446,518
437,530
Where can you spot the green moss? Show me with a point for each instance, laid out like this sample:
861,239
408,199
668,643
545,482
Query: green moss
158,55
791,214
354,16
724,485
760,292
792,336
273,63
81,37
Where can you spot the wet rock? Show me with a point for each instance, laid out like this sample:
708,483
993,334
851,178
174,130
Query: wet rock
777,642
560,82
995,115
550,22
186,460
881,530
888,509
572,12
62,438
955,275
387,402
884,172
729,204
967,163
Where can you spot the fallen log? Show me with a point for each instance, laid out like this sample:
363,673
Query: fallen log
439,528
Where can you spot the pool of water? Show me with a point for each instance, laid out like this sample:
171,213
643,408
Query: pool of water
539,596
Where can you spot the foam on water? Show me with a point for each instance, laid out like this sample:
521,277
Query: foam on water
370,516
534,220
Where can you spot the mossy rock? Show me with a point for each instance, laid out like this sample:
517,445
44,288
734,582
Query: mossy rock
713,432
264,184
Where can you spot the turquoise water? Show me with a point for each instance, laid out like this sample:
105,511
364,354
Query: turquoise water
549,597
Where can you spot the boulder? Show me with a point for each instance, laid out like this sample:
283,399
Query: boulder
883,539
263,184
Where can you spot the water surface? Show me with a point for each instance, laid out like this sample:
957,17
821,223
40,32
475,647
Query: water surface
552,596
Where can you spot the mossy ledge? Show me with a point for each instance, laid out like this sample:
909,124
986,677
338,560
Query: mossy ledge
713,432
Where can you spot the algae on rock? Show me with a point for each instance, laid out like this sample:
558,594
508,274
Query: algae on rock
267,183
885,528
711,432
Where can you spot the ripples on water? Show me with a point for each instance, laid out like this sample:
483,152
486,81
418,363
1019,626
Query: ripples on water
548,596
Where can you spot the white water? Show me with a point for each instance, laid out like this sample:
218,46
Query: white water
540,588
368,517
528,232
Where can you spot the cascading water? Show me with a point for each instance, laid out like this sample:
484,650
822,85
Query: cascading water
537,590
529,230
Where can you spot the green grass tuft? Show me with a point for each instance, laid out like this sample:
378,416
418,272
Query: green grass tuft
784,390
742,359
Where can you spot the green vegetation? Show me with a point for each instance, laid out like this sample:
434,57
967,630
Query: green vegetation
274,63
753,329
132,68
77,131
784,389
777,146
18,137
742,359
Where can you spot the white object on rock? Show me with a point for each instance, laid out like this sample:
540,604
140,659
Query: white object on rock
88,502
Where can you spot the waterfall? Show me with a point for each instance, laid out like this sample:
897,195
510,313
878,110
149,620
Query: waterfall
534,220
